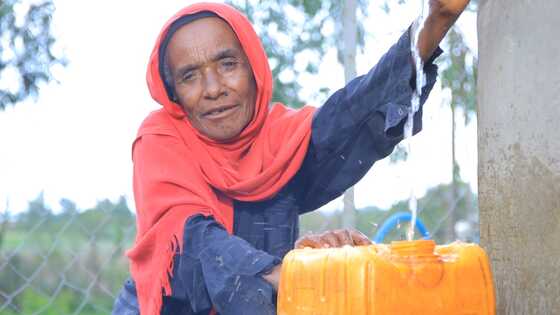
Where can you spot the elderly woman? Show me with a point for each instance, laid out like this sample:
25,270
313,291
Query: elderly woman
221,175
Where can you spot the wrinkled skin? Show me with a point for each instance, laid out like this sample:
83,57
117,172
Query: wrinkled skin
212,78
335,238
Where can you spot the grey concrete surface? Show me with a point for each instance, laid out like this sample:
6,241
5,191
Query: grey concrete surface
519,151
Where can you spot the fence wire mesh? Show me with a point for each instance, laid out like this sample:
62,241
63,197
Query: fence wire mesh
68,263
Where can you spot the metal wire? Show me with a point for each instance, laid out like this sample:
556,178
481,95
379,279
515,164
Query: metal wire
61,277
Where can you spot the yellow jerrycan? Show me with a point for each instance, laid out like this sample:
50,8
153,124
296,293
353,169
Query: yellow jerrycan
401,278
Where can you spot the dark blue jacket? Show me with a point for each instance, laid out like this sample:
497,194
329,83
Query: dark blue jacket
358,125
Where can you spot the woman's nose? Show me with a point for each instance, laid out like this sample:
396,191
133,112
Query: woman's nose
213,87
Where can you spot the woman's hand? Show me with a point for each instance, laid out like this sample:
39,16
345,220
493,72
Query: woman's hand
448,8
273,277
335,238
443,14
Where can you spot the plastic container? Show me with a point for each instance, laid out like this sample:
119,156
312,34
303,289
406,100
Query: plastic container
415,277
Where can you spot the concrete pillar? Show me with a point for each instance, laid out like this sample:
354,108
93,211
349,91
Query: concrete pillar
519,151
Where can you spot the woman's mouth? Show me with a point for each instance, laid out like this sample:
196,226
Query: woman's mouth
220,112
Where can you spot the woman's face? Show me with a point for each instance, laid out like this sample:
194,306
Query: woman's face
212,78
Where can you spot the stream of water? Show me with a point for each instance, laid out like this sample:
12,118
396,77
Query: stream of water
415,105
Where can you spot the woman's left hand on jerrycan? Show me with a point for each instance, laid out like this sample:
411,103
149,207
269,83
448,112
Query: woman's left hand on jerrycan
334,238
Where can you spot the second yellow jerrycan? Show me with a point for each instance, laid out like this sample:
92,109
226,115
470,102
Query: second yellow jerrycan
405,278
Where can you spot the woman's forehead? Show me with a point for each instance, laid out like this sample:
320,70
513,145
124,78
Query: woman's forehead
203,34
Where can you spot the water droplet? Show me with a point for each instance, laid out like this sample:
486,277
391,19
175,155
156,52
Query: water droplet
220,260
342,157
231,296
360,162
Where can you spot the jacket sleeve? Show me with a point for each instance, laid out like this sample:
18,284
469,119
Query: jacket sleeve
361,124
221,271
215,270
126,302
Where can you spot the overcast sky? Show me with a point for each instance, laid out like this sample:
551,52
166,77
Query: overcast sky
74,142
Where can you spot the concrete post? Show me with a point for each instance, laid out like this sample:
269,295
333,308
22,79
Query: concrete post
519,151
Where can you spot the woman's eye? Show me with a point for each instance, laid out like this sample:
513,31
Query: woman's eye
229,64
189,76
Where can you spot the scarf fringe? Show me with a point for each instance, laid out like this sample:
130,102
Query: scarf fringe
175,247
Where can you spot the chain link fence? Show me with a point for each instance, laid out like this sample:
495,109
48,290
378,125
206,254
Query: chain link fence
67,263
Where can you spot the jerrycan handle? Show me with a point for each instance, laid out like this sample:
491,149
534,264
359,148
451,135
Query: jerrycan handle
394,220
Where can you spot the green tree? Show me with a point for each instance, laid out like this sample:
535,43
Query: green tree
68,206
26,43
4,221
295,35
460,77
37,213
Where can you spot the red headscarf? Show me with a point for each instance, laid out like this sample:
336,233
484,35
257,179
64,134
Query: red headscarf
179,172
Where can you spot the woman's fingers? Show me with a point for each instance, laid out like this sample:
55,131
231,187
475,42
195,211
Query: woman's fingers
359,238
330,239
344,237
334,238
311,240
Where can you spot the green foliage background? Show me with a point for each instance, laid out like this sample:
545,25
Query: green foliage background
64,263
29,43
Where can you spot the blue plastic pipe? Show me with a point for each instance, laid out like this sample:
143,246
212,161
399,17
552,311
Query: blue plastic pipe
394,220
